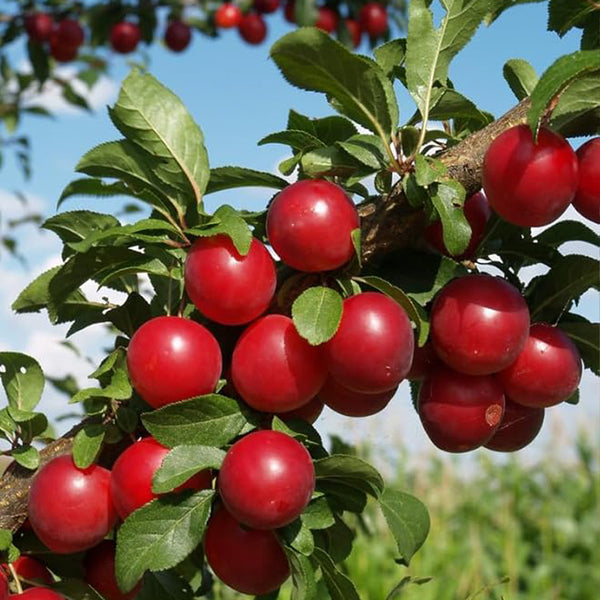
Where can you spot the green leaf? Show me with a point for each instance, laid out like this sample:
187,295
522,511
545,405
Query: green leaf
448,104
563,15
586,337
329,161
5,539
89,186
78,225
428,170
562,232
299,537
295,138
182,463
228,222
303,576
337,540
226,178
317,313
38,57
211,420
339,586
27,456
32,425
343,495
151,116
448,198
520,76
578,110
75,588
165,585
22,379
326,129
318,514
351,471
36,295
556,79
407,519
311,60
87,445
570,277
429,50
366,149
159,535
390,57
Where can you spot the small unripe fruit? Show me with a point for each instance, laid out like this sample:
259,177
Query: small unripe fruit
266,480
479,324
228,15
373,19
460,412
529,184
252,28
125,36
309,225
56,497
587,198
547,371
133,472
171,359
518,428
38,26
249,561
354,404
178,36
224,285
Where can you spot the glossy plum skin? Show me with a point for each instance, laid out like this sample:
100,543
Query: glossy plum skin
308,412
479,324
38,26
309,225
477,213
353,404
372,350
99,572
425,360
518,428
265,7
178,36
266,480
587,198
65,39
125,36
460,412
32,570
273,368
171,359
373,19
228,15
226,287
4,590
71,509
38,593
526,184
327,19
132,473
252,28
249,561
546,372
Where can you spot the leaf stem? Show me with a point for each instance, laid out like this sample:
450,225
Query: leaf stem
15,578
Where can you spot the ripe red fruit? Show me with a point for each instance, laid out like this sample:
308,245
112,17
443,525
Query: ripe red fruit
477,213
309,225
228,15
132,473
479,324
225,286
61,52
171,359
70,509
308,412
327,19
273,368
353,404
248,560
519,427
38,593
425,360
178,36
355,31
290,11
32,570
546,372
587,198
4,591
373,19
69,32
529,184
266,480
372,349
38,26
252,28
266,6
125,36
99,569
460,412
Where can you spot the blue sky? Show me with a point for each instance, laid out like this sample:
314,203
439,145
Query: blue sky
236,94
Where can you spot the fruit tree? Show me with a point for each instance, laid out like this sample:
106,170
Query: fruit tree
391,250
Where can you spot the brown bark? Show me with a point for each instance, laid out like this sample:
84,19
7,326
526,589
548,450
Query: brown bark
386,226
